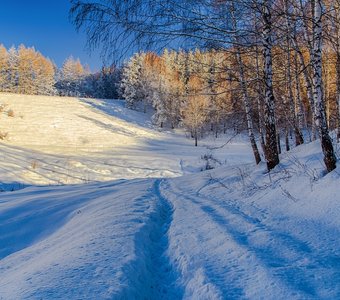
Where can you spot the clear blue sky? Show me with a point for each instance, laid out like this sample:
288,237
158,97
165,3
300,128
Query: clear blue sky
45,25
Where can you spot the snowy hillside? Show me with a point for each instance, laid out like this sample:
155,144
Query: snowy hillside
234,232
53,140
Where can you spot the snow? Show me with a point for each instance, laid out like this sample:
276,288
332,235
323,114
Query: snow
79,241
135,218
61,140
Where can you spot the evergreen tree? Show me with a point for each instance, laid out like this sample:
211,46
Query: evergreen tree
134,81
71,78
13,65
4,69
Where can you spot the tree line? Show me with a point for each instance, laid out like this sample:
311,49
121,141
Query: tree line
279,49
184,88
25,70
202,91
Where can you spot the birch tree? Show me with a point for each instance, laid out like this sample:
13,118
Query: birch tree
333,35
320,113
195,111
289,67
244,89
271,151
209,24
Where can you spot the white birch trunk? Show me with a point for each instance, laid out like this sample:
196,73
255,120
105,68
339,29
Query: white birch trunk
245,96
337,43
307,78
301,117
259,91
272,155
292,118
320,114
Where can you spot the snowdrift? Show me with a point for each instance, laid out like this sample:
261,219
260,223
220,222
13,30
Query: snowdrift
234,232
61,140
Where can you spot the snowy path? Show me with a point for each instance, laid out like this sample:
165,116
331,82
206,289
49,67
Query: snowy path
239,255
229,233
109,240
163,276
160,239
80,242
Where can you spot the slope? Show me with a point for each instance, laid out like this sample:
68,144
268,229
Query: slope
235,232
60,140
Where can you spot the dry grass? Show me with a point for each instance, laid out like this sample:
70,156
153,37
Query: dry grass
34,164
10,113
2,107
3,135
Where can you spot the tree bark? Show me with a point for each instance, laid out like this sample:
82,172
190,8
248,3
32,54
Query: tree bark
301,116
196,138
304,66
287,139
278,142
259,95
272,155
337,45
338,93
245,96
320,114
293,118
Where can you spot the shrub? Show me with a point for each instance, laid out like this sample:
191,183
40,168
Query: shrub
3,106
10,113
3,135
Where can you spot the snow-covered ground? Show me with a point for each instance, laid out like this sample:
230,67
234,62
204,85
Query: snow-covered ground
54,140
116,232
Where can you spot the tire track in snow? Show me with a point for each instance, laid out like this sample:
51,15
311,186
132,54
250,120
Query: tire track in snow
290,258
289,261
164,276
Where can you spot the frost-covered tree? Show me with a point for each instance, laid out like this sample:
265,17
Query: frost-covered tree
288,80
13,62
107,83
131,80
27,71
174,89
44,74
71,76
26,63
138,80
195,112
4,70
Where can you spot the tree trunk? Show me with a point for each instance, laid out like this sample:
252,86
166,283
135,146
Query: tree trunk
259,99
309,87
337,43
246,102
320,114
293,119
196,138
304,67
287,139
326,93
248,110
278,142
301,116
272,155
338,94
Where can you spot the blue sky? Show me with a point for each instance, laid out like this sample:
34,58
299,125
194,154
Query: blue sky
45,25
